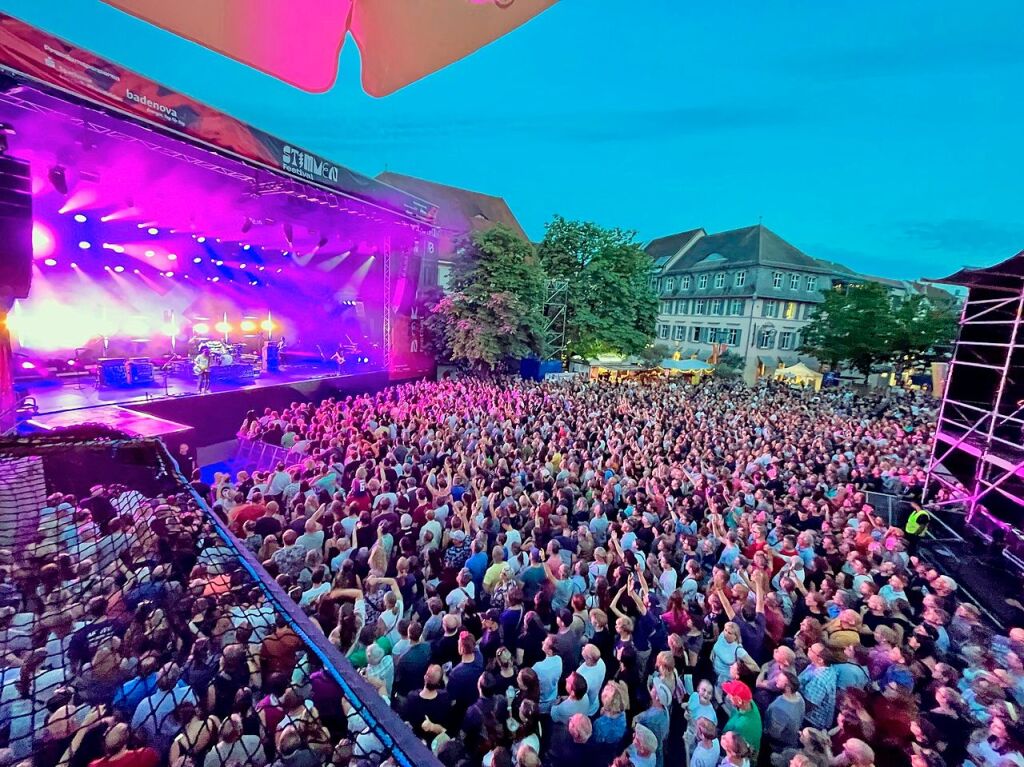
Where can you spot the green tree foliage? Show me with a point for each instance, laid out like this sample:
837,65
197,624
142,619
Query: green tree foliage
730,365
611,306
862,326
494,307
852,325
921,326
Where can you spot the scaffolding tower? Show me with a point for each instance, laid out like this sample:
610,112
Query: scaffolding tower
977,463
556,307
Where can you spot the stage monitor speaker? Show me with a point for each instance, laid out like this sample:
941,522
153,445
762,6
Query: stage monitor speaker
15,227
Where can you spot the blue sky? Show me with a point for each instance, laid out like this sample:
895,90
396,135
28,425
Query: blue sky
886,135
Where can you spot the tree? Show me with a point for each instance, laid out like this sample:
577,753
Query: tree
730,365
852,325
494,307
920,327
653,354
611,306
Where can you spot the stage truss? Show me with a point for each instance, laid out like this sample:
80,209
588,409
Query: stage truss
556,307
977,455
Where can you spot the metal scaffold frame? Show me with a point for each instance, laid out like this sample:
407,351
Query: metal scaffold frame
556,309
988,430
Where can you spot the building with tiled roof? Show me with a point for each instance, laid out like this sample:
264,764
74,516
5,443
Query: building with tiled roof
460,211
747,291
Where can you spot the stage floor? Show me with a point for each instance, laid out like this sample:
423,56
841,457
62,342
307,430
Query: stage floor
59,395
129,421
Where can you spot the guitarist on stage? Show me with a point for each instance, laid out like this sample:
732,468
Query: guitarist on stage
201,367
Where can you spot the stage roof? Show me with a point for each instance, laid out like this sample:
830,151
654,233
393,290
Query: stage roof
1005,274
35,57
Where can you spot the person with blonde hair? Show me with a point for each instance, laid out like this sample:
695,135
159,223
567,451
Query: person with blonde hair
737,750
706,751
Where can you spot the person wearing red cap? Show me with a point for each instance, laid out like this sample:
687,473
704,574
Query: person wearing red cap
745,719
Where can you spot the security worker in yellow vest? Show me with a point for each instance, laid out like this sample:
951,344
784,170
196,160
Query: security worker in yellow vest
916,527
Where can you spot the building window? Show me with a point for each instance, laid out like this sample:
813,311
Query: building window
702,282
709,336
812,284
790,313
662,331
786,339
695,334
699,306
683,307
717,306
766,339
679,332
777,279
736,307
770,308
794,282
719,280
740,280
670,284
684,282
732,336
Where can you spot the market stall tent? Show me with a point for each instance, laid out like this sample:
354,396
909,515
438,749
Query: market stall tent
799,375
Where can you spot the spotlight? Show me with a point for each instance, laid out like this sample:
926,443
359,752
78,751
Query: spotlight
246,247
241,266
253,282
118,268
71,363
215,279
136,271
84,245
197,260
58,178
263,268
150,253
74,265
80,218
172,256
248,326
279,270
223,327
267,325
153,230
50,262
107,267
168,274
200,239
26,365
246,225
218,262
201,328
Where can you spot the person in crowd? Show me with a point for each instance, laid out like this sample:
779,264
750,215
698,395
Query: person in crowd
526,572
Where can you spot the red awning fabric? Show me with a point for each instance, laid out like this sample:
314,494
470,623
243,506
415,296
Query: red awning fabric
299,42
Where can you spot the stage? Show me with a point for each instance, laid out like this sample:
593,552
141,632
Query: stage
207,422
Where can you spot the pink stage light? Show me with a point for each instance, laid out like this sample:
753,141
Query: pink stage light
74,265
50,262
43,243
172,257
26,365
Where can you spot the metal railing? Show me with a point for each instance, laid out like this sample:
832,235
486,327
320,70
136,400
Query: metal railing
257,455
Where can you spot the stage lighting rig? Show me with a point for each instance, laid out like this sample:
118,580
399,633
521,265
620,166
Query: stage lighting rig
58,179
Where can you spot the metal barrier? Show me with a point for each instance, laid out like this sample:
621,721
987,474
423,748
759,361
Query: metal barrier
158,516
257,455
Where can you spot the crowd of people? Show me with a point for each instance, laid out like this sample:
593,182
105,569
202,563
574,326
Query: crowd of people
131,635
638,575
633,575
